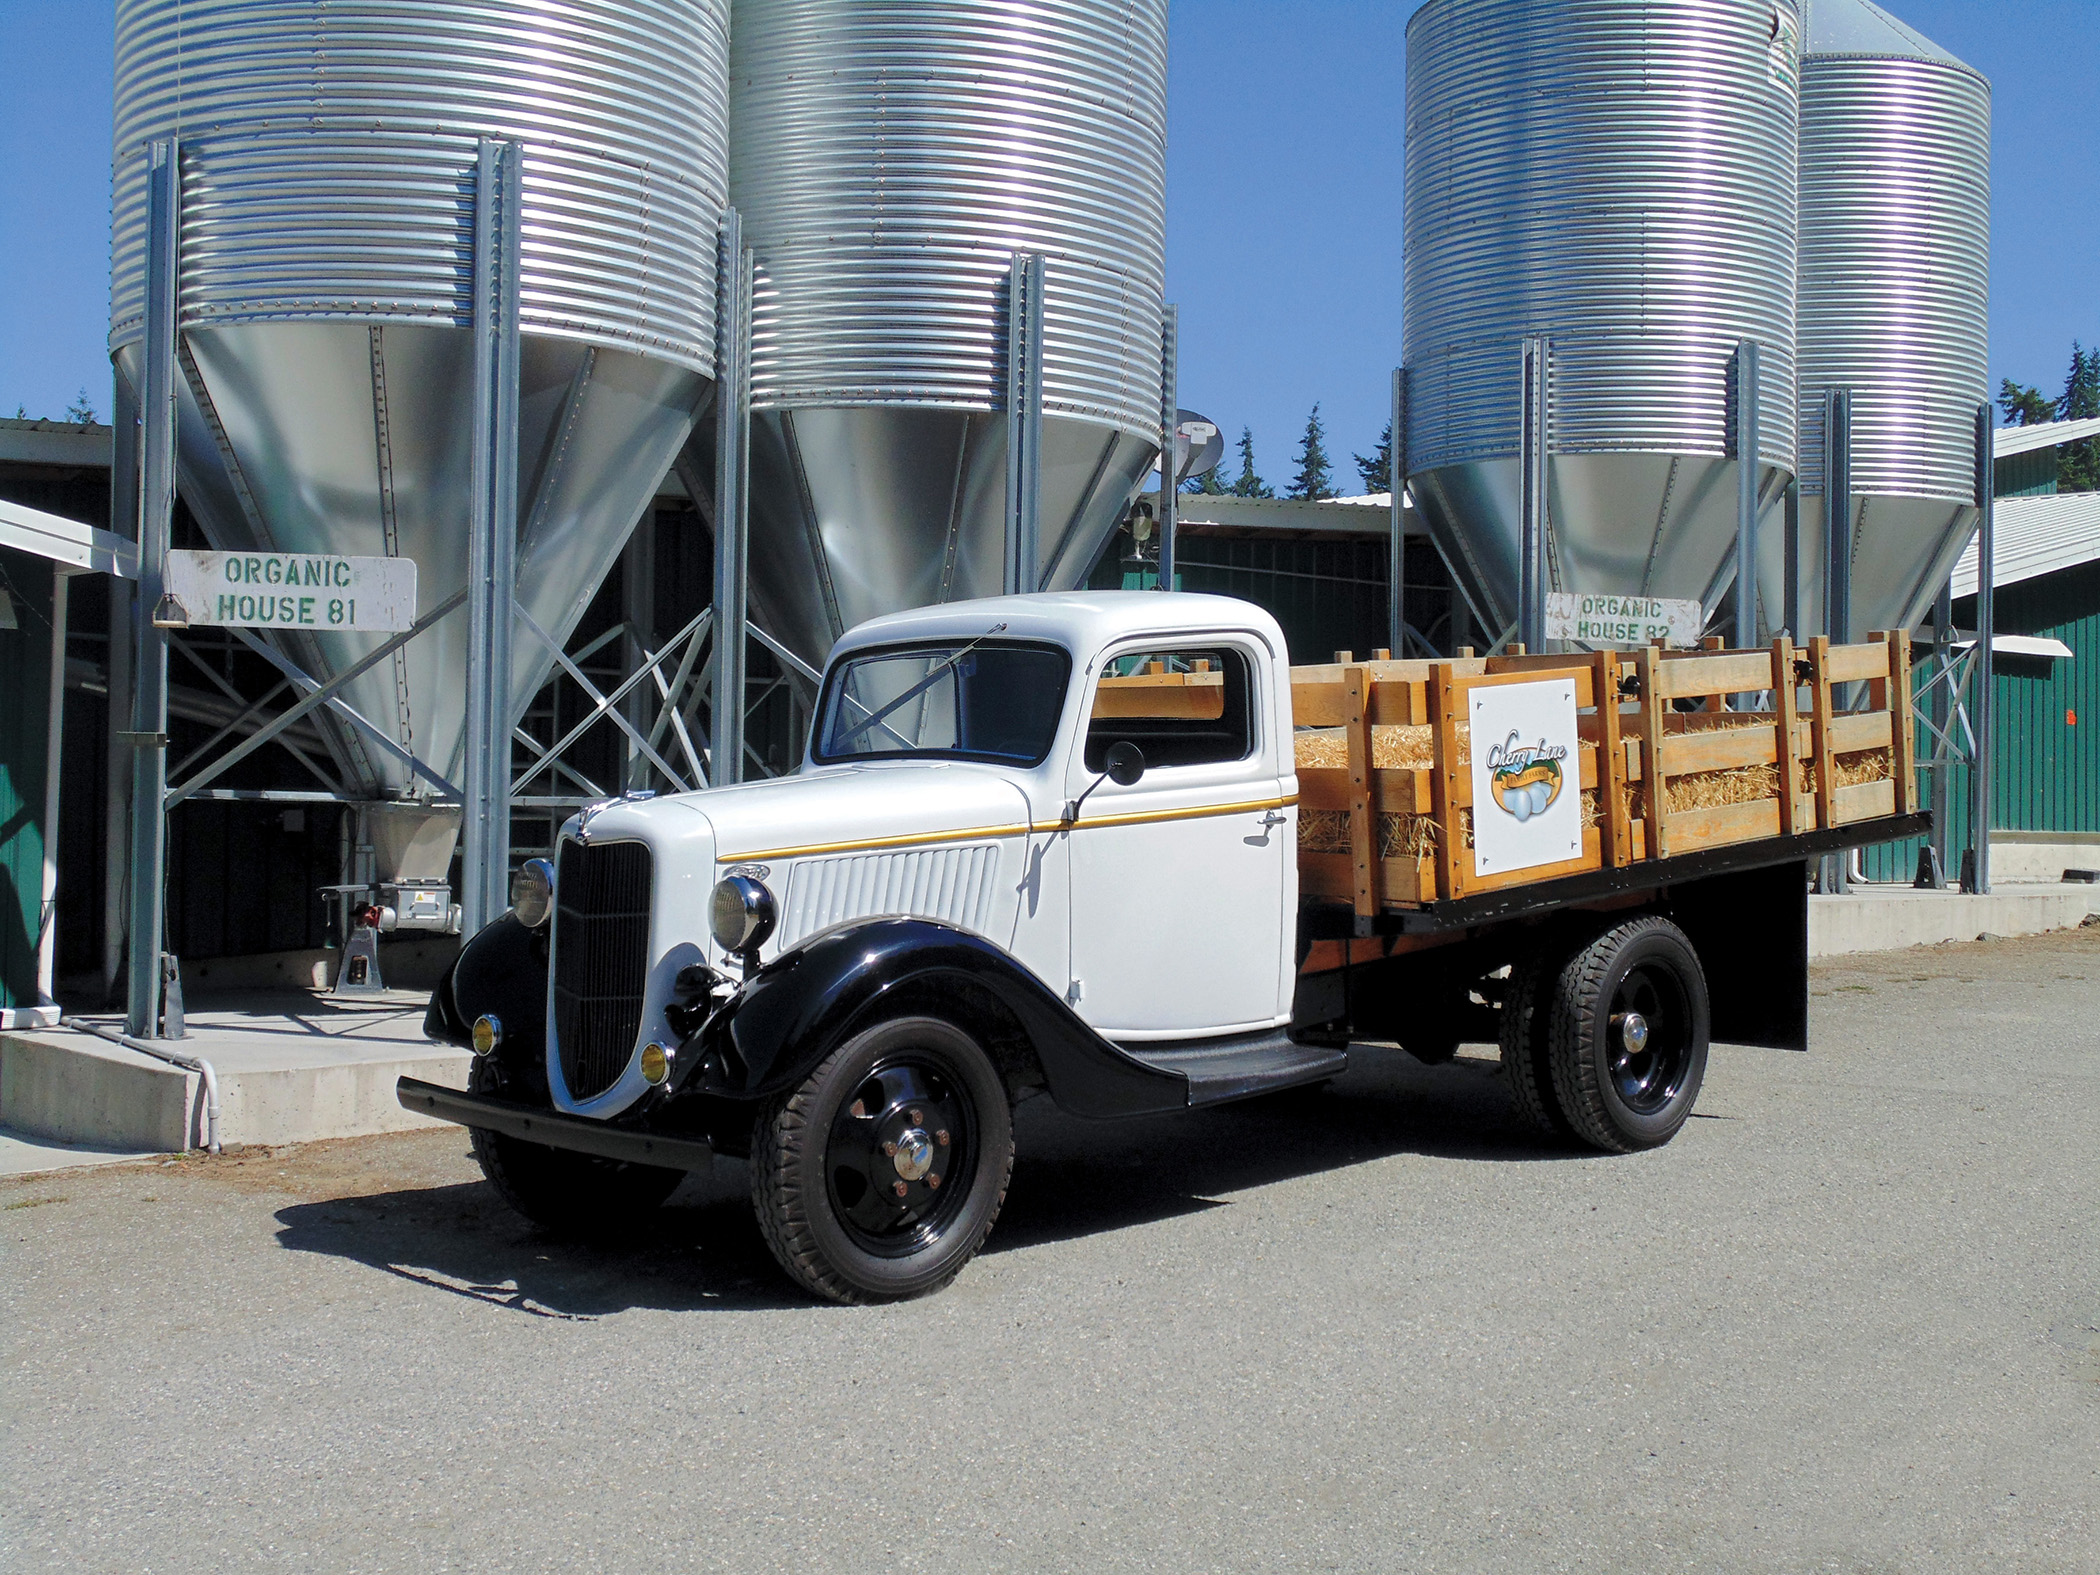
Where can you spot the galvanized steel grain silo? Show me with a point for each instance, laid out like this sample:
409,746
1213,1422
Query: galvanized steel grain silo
1895,254
328,158
889,157
1617,178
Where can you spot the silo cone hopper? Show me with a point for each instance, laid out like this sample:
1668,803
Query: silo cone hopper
352,438
332,276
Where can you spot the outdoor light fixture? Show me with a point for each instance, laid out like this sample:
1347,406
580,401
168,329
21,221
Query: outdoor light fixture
532,893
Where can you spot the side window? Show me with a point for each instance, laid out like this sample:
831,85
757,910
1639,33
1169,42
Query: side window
1188,706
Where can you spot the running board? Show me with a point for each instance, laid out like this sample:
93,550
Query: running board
1240,1067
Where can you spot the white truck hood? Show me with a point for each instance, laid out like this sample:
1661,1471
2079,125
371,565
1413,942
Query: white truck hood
938,839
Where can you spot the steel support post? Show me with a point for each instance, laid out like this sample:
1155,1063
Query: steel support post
733,274
1837,552
116,802
1532,582
638,613
1837,515
149,692
1790,610
1942,717
1396,478
1024,422
1169,440
492,544
1747,389
1984,705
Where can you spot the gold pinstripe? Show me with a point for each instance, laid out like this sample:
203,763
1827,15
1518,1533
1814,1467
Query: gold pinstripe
978,833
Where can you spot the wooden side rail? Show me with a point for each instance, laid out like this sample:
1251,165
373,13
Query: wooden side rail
1663,767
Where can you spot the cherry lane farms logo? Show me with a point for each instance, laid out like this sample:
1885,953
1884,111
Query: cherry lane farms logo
1525,777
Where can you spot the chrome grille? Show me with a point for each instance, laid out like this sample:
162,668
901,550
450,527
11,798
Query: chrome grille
601,960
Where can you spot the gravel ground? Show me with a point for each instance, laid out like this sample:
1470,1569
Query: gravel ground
1848,1321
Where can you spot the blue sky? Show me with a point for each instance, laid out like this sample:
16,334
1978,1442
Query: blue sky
1283,221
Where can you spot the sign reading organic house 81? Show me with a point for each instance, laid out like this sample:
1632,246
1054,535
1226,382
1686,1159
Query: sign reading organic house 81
293,590
1527,776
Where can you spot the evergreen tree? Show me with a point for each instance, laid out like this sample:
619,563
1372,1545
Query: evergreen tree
2078,464
81,412
1377,468
1315,478
1249,484
2023,406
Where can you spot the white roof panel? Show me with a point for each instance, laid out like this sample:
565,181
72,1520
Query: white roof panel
2042,434
2036,536
66,541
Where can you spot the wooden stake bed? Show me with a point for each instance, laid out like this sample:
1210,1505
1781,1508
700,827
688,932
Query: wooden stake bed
1666,769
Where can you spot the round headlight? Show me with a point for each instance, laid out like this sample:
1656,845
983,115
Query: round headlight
741,913
532,893
488,1033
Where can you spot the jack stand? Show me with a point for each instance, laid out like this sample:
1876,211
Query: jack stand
171,998
1930,876
359,974
1968,870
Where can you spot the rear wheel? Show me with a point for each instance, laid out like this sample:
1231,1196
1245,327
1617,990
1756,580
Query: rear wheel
1627,1041
570,1194
880,1177
1526,1069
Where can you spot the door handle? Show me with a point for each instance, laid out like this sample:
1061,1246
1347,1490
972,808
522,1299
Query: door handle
1274,818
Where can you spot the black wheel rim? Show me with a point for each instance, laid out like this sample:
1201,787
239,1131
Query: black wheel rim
1648,1068
900,1156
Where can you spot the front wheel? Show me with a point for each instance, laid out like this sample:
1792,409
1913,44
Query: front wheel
881,1175
1628,1037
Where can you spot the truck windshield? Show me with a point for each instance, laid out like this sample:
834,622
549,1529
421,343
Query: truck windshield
968,700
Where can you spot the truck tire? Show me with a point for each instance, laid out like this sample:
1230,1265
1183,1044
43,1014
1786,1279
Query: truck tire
1526,1012
880,1177
570,1194
1628,1037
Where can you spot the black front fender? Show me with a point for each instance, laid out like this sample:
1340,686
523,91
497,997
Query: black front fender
501,972
798,1008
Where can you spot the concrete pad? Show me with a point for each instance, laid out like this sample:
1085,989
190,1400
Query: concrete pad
22,1154
292,1067
1888,918
2042,855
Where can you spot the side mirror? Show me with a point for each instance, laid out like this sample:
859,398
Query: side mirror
1126,763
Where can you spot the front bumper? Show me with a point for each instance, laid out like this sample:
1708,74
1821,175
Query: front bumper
550,1127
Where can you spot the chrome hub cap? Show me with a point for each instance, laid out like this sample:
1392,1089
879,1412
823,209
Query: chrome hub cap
914,1155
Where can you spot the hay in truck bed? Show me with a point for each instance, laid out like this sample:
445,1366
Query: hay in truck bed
1674,785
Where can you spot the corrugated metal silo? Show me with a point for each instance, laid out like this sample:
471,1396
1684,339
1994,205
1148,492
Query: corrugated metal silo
328,167
1895,259
888,158
1616,176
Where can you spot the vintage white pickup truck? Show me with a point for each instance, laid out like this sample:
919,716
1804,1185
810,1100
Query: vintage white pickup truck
1053,844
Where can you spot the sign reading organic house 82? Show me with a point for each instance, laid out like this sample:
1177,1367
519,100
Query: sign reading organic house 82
293,590
1527,777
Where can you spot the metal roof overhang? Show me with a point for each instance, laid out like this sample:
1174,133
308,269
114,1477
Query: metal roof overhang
67,542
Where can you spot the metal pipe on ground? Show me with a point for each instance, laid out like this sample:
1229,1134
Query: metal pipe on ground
175,1058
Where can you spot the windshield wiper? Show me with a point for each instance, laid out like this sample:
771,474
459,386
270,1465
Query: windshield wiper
914,691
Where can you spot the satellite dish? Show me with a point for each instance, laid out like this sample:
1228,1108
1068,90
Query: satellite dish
1199,444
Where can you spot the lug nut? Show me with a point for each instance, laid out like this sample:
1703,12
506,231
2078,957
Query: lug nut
933,1181
898,1188
941,1137
889,1150
917,1116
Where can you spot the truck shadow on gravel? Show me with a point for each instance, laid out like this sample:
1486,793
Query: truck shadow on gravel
1073,1178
